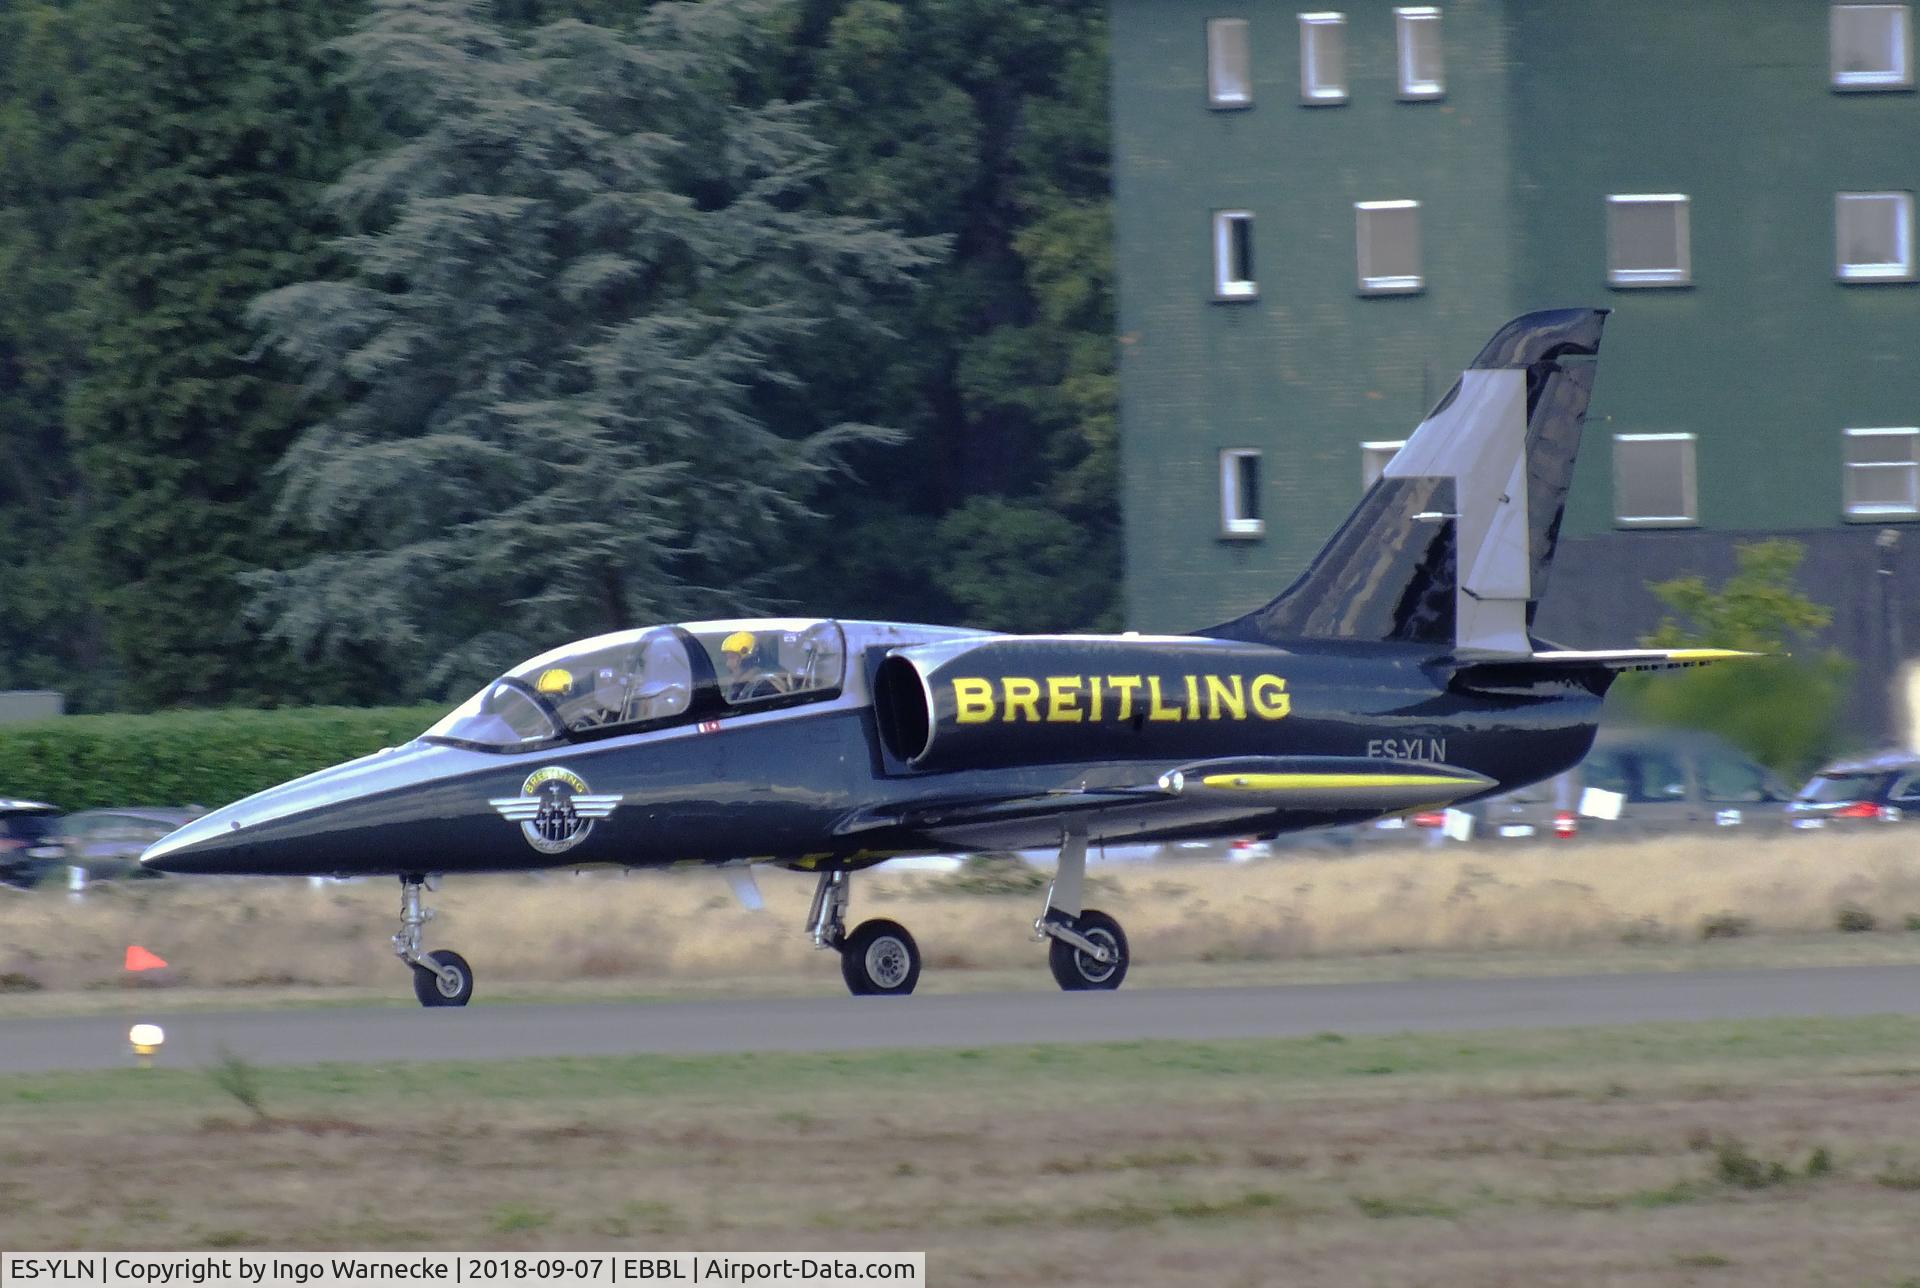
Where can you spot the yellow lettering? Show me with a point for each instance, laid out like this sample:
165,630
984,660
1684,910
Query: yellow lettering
1125,685
1270,699
973,701
1093,697
1062,691
1020,694
1155,711
1234,699
1193,697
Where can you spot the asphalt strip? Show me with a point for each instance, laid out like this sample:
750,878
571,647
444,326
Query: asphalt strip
384,1035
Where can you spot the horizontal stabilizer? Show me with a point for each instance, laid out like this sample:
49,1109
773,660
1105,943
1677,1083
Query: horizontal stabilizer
1594,668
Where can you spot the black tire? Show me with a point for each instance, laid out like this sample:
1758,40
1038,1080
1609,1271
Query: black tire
1074,970
432,990
880,959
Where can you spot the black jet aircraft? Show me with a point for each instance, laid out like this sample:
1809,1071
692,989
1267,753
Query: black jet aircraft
1398,672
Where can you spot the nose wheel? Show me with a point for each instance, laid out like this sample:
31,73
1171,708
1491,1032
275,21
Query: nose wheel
444,979
441,977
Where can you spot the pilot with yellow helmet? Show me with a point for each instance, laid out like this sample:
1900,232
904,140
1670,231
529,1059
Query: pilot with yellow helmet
745,677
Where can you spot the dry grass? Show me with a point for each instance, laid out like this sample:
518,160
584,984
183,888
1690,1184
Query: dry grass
1625,1157
686,926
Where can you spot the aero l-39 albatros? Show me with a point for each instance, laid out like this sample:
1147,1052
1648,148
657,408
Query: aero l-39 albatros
1398,672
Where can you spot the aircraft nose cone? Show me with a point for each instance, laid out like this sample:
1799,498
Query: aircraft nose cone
197,847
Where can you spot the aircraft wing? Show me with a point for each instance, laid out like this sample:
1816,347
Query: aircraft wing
1192,794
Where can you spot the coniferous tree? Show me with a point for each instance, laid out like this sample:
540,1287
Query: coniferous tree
565,358
47,629
203,131
984,121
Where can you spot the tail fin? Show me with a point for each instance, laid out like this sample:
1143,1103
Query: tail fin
1452,546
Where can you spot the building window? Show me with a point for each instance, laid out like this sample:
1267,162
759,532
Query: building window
1374,458
1421,72
1233,255
1229,64
1647,240
1240,493
1653,483
1873,236
1882,473
1872,46
1323,59
1387,236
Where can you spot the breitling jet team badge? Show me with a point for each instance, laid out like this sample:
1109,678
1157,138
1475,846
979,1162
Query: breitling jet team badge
554,809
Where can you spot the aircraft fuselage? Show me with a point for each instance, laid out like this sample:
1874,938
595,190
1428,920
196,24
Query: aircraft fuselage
817,784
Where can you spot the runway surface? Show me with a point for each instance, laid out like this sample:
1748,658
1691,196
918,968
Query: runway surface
379,1035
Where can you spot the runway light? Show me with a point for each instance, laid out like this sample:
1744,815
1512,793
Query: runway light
146,1039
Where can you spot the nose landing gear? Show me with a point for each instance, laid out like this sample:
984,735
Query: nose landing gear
441,977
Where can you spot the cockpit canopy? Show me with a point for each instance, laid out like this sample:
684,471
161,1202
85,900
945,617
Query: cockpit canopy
653,677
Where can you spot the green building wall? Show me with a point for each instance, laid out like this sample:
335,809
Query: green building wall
1550,105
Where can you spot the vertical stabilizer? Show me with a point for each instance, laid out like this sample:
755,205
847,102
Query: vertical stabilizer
1451,547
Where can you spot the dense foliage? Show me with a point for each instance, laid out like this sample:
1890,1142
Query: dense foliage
350,349
1784,708
208,758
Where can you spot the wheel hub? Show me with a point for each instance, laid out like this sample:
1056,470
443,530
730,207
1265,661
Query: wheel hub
1093,970
887,962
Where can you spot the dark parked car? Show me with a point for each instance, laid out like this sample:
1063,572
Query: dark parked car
109,842
29,841
1860,793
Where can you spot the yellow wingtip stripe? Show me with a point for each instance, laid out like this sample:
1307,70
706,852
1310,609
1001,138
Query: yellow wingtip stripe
1708,654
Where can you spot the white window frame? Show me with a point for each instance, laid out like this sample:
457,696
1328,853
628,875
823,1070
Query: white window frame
1408,19
1680,274
1232,522
1316,90
1222,95
1897,77
1867,511
1385,449
1689,483
1226,287
1899,270
1377,283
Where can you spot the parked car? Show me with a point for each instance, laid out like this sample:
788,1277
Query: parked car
1859,793
1635,782
108,842
1642,782
29,842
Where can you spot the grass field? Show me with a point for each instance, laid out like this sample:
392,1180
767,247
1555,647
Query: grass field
684,930
1759,1154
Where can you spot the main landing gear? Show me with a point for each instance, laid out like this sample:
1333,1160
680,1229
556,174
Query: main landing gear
441,977
1086,948
879,959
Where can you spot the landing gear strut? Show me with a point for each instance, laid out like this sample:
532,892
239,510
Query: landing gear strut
1087,948
441,977
879,958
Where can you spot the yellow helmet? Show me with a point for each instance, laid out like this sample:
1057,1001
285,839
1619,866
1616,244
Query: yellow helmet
554,681
739,642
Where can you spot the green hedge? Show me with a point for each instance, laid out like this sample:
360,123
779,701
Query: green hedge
190,757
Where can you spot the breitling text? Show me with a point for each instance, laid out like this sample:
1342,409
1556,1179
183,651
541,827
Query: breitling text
1092,699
